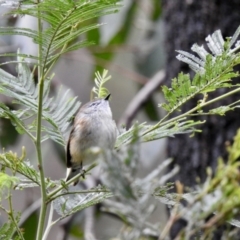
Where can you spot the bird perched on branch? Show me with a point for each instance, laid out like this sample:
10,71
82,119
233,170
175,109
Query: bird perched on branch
93,127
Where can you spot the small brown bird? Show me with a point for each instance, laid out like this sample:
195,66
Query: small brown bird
93,127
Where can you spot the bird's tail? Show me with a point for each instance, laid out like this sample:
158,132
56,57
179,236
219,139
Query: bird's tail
72,172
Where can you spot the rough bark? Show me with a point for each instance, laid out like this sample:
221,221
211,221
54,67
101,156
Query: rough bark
188,22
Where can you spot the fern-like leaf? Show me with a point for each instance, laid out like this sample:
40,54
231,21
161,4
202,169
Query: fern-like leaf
100,80
6,183
16,164
56,111
65,21
150,133
69,204
29,176
8,229
214,70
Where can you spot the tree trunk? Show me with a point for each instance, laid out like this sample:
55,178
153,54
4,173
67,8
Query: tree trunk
188,22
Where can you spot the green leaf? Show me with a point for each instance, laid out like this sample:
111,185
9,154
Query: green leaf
100,80
220,110
8,229
234,150
7,183
150,133
214,70
17,164
56,111
66,20
69,204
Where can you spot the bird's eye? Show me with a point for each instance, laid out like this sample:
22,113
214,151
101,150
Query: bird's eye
94,104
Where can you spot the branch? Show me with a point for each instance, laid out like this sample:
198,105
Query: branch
52,195
141,97
39,135
11,216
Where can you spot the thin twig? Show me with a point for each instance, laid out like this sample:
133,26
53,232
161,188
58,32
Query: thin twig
89,220
49,224
52,194
173,218
141,97
162,122
89,223
10,214
81,192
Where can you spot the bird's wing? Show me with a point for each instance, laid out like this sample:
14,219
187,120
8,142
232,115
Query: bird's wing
68,154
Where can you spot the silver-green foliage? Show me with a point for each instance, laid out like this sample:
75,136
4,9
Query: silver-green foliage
66,21
213,70
8,229
60,24
57,111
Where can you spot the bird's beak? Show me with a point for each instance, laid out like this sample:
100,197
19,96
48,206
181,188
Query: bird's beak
107,97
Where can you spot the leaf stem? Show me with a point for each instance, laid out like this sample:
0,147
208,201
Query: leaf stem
49,224
81,192
52,194
204,104
91,203
51,42
188,113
